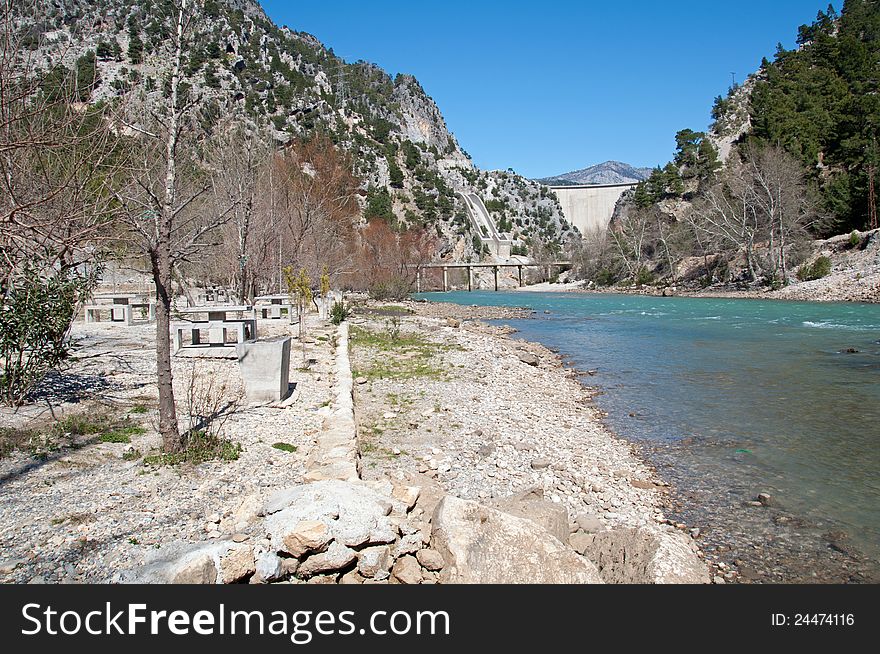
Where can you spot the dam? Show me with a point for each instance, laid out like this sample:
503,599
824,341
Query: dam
589,207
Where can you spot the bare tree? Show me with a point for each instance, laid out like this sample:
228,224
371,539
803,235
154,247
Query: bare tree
631,236
58,163
238,157
727,214
314,204
762,197
59,166
166,207
780,196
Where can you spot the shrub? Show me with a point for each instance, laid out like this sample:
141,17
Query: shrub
200,447
35,318
339,312
395,288
820,268
854,239
643,277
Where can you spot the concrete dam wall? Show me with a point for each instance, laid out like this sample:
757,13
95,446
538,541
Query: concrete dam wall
589,208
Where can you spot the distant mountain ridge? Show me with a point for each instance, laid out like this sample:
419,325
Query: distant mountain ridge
609,172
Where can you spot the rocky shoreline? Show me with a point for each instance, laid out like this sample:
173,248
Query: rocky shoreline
854,277
447,452
503,422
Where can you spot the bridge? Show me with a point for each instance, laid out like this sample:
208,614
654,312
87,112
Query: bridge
547,266
589,207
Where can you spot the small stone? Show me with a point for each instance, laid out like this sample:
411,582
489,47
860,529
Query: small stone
269,567
336,557
350,578
7,567
306,536
540,464
373,560
214,517
409,544
580,542
528,358
589,523
409,495
407,570
485,450
642,483
239,537
237,565
765,499
430,559
199,570
390,415
360,381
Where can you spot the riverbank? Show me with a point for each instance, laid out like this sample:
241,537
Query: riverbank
489,417
854,277
454,455
706,388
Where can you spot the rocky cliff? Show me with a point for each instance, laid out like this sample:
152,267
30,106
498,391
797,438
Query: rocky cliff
240,63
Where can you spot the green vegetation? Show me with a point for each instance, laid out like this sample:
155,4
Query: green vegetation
854,239
97,426
339,312
379,205
405,355
820,268
200,447
284,447
36,314
122,435
821,103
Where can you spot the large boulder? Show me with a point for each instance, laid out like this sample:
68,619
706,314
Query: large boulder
641,556
482,545
531,505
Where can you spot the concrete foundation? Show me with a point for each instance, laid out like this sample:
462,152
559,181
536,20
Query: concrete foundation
265,369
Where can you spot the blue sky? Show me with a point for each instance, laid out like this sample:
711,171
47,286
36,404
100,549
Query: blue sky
545,88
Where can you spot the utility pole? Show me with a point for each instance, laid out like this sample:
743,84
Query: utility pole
733,80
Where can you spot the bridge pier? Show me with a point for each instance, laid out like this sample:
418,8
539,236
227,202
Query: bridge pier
495,270
445,279
519,274
470,274
418,281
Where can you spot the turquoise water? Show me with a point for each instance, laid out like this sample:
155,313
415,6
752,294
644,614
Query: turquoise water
733,398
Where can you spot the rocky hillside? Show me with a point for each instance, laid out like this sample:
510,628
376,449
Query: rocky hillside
609,172
241,63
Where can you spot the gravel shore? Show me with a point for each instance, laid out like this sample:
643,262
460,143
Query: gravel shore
488,416
441,399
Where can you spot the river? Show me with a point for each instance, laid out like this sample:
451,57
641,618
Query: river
731,398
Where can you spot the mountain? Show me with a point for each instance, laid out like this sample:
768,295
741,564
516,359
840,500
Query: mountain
610,172
241,64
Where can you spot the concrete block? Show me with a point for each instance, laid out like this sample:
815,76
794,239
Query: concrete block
265,369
